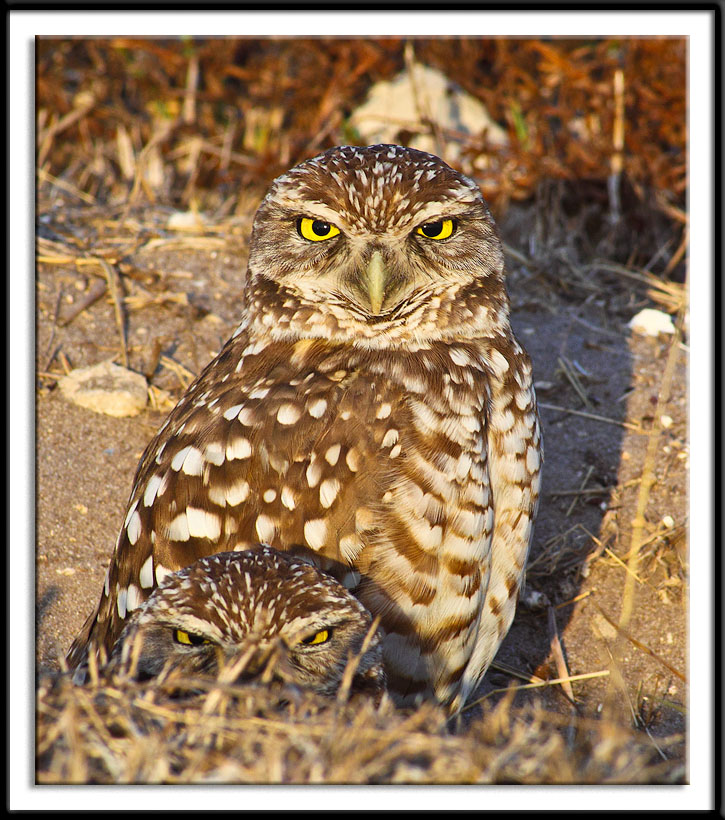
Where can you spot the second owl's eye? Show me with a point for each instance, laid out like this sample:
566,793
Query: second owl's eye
189,638
440,229
323,636
315,230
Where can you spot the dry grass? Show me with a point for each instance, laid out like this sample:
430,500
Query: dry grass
125,732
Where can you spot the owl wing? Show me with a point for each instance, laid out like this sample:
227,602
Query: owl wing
515,455
274,443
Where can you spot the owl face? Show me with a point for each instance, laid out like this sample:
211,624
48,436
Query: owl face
374,232
260,613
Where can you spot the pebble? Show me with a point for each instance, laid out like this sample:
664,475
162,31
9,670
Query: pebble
106,388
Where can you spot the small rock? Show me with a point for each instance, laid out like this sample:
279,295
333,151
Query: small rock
185,221
651,322
106,388
532,599
404,103
604,627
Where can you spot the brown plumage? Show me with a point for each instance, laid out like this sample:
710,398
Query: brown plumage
373,411
256,615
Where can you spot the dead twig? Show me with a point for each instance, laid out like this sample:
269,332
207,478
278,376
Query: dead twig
635,428
575,500
114,286
95,292
641,645
552,682
558,654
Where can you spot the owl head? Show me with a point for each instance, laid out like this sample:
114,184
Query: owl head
368,241
253,615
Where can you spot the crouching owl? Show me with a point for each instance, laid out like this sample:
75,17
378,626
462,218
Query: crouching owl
254,615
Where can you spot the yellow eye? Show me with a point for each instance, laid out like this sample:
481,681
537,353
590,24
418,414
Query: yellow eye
189,638
316,230
319,637
441,229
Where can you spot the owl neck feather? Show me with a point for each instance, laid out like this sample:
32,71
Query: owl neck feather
447,312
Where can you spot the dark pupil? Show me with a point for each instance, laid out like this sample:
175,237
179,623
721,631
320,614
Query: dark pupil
320,228
195,640
432,228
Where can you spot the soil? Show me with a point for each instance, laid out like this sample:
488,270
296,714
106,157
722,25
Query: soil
182,302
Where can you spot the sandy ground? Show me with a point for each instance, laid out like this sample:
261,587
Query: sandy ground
187,304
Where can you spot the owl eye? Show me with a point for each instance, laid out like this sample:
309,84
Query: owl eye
323,636
440,229
315,230
189,638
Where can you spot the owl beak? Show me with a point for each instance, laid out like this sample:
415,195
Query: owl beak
376,276
257,662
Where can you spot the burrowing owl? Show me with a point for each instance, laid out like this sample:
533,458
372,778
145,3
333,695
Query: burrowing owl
372,410
253,613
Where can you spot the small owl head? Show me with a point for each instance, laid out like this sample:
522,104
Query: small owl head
253,615
372,235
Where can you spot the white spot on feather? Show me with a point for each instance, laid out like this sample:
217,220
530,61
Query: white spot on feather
179,528
383,411
193,463
161,573
265,528
133,598
232,412
316,533
121,595
288,414
152,490
288,498
131,511
328,492
203,524
317,408
215,453
146,577
313,472
178,460
236,493
239,448
134,528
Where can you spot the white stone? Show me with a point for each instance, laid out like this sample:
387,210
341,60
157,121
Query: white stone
106,388
650,322
394,105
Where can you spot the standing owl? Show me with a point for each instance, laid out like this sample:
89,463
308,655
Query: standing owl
372,411
250,615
